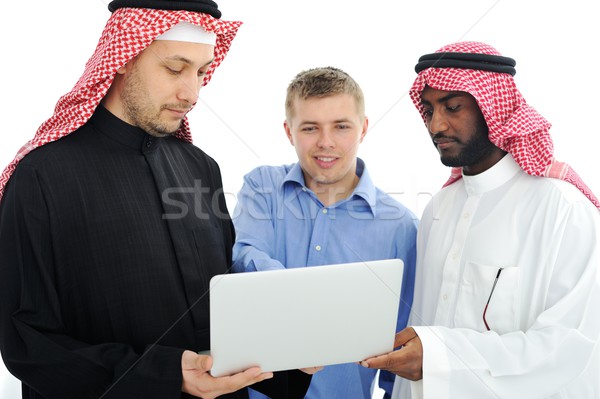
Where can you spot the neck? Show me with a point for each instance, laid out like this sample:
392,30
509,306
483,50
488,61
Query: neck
329,194
111,100
491,159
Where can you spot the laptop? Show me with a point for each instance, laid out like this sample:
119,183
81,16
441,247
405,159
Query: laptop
303,317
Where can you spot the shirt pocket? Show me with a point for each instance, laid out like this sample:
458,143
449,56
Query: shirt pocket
477,284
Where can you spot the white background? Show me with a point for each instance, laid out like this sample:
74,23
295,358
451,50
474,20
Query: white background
238,120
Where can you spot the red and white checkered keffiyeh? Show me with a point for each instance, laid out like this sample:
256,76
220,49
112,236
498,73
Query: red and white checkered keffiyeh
127,32
513,125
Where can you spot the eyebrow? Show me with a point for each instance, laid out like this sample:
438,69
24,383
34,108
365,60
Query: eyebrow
309,122
186,60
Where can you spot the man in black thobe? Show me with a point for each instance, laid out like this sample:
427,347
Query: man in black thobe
113,223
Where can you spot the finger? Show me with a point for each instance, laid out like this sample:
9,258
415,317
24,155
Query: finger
375,362
206,385
404,336
247,377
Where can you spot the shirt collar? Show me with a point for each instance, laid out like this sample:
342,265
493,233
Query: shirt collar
295,175
365,188
120,131
494,177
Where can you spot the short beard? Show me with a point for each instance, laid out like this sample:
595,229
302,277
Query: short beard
140,110
476,149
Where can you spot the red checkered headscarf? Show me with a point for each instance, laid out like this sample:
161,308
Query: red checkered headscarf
514,126
127,33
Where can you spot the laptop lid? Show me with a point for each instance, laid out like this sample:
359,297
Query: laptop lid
303,317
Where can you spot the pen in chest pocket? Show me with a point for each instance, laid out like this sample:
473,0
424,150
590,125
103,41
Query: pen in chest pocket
490,297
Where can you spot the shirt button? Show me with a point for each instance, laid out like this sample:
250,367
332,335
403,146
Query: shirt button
466,215
149,143
324,210
303,188
454,256
318,247
445,297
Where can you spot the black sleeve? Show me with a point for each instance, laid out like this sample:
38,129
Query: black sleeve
35,345
291,384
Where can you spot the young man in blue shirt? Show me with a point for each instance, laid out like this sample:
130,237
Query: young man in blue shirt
324,209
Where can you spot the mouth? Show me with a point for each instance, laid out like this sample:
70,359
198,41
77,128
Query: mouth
178,112
443,143
325,161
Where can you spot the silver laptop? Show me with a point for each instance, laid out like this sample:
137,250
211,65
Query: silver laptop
303,317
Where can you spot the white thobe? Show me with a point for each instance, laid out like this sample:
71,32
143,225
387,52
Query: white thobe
544,312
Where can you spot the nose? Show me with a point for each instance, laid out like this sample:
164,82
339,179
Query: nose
189,88
437,123
326,139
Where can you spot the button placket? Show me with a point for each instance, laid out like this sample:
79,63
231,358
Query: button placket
453,266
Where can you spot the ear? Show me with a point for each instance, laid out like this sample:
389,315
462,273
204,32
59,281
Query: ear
365,129
127,66
288,132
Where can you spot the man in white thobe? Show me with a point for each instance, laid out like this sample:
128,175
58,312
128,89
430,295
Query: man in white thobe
507,289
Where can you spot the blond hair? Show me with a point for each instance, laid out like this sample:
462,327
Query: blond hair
323,82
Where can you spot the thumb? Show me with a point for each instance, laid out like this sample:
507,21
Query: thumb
204,362
193,361
404,336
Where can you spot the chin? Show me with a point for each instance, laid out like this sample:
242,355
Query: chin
167,130
450,162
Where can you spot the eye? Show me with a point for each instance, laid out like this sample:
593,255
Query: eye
308,129
202,72
173,71
427,112
342,126
453,108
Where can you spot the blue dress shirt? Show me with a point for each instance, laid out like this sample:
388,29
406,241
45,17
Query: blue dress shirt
280,223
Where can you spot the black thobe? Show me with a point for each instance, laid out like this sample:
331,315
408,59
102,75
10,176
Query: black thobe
108,240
